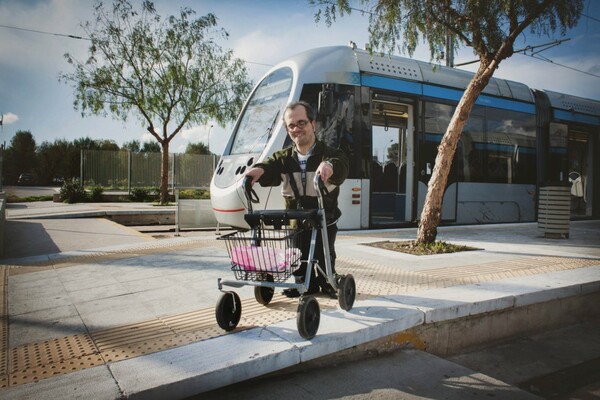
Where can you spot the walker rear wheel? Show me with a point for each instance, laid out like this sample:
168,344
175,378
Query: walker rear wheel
347,292
308,317
228,311
264,294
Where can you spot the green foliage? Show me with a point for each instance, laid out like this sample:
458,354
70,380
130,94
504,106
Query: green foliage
133,146
197,148
11,198
485,26
144,194
421,249
150,147
96,192
72,191
19,157
139,194
197,194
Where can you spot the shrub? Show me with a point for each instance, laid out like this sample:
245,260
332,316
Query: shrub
72,192
96,193
194,194
139,194
154,193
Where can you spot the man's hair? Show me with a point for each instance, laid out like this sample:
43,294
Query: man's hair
310,113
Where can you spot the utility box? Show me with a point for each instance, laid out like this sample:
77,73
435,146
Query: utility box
554,211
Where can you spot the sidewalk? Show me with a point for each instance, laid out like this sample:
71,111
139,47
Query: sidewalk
102,311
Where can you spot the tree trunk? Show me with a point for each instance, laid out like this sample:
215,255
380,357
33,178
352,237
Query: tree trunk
164,173
432,209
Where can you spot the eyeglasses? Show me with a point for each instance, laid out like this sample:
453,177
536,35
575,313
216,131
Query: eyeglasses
300,124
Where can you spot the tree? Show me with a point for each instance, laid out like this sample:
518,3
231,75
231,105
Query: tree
20,155
132,146
167,73
150,147
197,148
53,160
490,28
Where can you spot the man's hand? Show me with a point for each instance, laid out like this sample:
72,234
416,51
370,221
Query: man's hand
255,174
325,170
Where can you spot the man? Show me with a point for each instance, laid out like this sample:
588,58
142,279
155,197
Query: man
294,168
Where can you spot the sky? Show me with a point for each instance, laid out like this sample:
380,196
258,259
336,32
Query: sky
261,32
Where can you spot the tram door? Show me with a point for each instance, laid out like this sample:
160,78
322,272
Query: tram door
391,163
580,172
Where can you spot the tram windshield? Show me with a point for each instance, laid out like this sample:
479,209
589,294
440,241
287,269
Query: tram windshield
262,112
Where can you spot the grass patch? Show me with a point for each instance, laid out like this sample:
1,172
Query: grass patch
11,198
197,194
422,249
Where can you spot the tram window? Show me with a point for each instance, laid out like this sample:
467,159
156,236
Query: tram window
437,119
496,145
469,153
336,128
511,146
262,113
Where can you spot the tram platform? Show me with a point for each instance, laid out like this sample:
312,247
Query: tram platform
134,317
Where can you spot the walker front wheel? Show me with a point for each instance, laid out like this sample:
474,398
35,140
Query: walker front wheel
228,311
347,292
308,317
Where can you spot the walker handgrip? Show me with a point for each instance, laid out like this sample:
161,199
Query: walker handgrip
250,194
320,185
247,184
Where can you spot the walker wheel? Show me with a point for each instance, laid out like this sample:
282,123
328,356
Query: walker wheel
347,292
264,294
308,317
228,311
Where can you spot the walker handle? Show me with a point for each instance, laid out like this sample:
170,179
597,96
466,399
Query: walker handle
249,193
320,189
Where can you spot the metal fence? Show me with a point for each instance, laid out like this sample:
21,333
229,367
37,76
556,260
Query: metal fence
125,170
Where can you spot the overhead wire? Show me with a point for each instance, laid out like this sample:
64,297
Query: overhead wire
44,32
534,55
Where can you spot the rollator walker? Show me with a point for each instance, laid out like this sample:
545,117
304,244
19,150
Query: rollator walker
267,255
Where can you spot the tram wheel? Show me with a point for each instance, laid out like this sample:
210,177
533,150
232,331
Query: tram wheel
347,292
308,317
228,310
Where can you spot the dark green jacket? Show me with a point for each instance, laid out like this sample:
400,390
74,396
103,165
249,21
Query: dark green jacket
278,166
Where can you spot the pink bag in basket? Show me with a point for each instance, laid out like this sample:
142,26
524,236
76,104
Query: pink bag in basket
254,258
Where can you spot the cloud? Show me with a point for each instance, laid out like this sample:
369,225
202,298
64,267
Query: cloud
147,137
196,134
9,118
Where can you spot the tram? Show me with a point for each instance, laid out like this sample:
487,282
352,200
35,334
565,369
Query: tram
389,113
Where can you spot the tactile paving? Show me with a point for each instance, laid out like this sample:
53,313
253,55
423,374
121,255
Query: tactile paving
35,361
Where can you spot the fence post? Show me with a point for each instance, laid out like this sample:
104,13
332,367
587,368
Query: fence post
128,172
81,155
173,175
177,213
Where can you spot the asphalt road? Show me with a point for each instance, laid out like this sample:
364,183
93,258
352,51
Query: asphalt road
26,191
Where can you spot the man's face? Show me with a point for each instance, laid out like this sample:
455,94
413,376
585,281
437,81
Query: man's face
300,129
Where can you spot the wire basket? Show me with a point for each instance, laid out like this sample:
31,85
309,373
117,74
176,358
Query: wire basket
264,254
